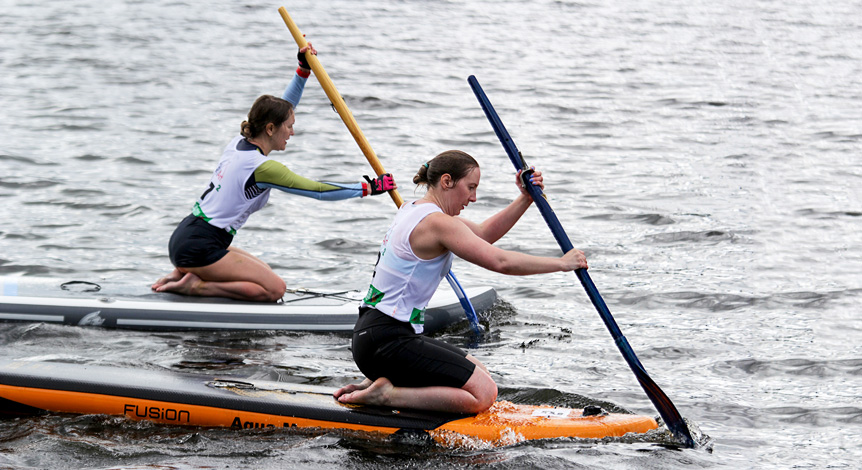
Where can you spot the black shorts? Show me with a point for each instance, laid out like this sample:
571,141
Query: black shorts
196,243
386,347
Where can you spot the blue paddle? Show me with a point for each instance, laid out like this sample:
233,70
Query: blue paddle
469,311
665,407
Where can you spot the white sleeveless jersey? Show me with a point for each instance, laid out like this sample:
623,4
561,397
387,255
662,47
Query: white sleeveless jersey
227,202
403,283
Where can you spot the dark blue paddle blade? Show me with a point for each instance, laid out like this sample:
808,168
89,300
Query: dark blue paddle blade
660,400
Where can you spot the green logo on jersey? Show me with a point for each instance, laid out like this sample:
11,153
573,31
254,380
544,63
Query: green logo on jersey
417,317
373,297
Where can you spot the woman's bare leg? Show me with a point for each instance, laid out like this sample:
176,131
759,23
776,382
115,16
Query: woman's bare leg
238,275
477,395
240,251
476,361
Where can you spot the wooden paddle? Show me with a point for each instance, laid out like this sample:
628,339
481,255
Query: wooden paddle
338,102
362,141
665,407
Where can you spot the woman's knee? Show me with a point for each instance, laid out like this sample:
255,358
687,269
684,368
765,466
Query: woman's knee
275,288
488,396
483,388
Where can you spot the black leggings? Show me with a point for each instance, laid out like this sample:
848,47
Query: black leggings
195,243
386,347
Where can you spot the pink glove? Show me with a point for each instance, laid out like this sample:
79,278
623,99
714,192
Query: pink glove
379,185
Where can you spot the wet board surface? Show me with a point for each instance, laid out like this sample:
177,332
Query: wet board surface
211,401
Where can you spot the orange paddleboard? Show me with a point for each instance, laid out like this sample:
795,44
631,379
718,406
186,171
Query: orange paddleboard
196,400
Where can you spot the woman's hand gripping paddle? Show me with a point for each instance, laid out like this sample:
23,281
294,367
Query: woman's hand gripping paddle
665,407
359,137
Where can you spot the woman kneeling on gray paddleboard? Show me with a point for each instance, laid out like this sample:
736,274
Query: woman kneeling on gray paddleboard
200,248
403,368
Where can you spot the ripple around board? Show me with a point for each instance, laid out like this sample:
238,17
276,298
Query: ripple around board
546,396
211,363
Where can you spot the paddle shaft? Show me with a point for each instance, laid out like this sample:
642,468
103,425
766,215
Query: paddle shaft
659,399
338,102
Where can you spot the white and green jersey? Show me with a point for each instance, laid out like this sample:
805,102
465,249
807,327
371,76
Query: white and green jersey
403,283
240,186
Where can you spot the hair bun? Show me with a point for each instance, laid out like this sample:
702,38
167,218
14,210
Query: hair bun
453,162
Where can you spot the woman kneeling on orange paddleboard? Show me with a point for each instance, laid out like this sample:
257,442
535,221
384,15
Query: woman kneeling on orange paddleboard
402,367
206,264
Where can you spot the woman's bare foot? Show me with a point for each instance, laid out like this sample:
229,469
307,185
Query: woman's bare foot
174,276
375,394
186,285
352,388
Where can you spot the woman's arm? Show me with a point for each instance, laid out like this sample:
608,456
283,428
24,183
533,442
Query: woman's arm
273,174
293,92
439,232
499,224
494,227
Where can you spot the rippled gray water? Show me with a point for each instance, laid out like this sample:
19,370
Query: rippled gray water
704,154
